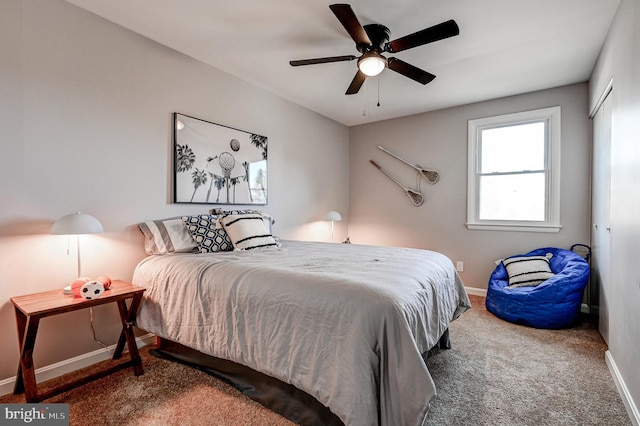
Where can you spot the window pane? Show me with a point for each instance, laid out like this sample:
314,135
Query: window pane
512,197
513,148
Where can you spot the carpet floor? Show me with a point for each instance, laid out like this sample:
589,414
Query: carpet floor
497,373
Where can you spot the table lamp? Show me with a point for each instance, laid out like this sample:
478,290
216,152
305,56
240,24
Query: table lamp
77,224
332,216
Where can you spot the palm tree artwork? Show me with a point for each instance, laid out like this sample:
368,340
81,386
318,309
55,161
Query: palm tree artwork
199,177
214,178
218,158
184,158
260,142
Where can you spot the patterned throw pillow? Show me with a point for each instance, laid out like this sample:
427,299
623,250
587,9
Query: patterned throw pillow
247,231
528,271
207,233
167,236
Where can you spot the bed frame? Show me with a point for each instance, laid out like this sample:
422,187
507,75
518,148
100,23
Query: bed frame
280,397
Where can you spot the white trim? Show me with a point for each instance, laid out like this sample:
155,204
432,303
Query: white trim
608,88
72,364
521,228
476,291
552,116
627,399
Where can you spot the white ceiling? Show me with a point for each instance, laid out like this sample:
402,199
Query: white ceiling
505,47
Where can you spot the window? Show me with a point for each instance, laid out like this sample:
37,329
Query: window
514,172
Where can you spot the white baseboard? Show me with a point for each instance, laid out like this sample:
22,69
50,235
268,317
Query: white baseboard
72,364
627,399
476,291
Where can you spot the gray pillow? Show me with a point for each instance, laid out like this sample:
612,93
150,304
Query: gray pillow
167,236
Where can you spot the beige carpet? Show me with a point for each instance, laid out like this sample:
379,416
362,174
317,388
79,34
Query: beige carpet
500,373
167,393
496,374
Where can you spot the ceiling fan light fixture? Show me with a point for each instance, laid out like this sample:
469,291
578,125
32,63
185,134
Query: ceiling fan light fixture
372,64
372,40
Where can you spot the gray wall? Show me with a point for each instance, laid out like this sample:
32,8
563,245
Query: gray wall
620,60
85,113
381,214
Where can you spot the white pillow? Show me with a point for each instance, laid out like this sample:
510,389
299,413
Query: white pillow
247,231
269,221
167,236
528,271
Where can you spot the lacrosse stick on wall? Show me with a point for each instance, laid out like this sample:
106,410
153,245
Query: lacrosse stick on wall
415,196
431,176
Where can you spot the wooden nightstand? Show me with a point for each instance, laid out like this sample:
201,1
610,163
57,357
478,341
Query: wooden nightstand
31,308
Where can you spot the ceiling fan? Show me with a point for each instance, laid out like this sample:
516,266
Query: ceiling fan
373,39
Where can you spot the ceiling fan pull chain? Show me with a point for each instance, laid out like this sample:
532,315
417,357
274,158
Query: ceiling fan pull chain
364,106
378,78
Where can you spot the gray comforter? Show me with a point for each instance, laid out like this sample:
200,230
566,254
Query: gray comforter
347,324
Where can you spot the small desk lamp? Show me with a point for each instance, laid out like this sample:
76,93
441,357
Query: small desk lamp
332,216
77,224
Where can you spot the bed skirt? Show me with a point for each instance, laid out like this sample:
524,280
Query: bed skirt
280,397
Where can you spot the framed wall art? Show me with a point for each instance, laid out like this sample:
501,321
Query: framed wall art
216,164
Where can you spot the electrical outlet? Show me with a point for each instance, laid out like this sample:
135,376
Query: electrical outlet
459,266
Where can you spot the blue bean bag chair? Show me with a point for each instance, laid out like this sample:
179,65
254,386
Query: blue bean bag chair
553,304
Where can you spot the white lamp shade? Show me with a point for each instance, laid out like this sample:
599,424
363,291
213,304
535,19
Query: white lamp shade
333,216
372,64
75,224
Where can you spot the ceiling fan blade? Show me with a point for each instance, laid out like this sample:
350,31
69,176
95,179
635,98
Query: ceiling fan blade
408,70
437,32
322,60
356,83
350,22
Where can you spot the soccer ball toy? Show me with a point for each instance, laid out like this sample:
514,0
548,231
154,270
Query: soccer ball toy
92,289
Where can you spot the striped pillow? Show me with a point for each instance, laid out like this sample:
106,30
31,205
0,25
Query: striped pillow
166,236
267,218
247,231
528,271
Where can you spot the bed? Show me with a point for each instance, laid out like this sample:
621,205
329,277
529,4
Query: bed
348,325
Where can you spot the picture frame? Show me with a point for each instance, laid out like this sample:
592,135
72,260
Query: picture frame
217,164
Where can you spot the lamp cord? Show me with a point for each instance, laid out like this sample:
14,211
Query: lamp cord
78,248
93,331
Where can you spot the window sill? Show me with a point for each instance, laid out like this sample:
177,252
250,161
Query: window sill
514,228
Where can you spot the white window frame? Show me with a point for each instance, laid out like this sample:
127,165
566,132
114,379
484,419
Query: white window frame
551,116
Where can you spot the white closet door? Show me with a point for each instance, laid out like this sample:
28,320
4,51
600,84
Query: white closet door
601,230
